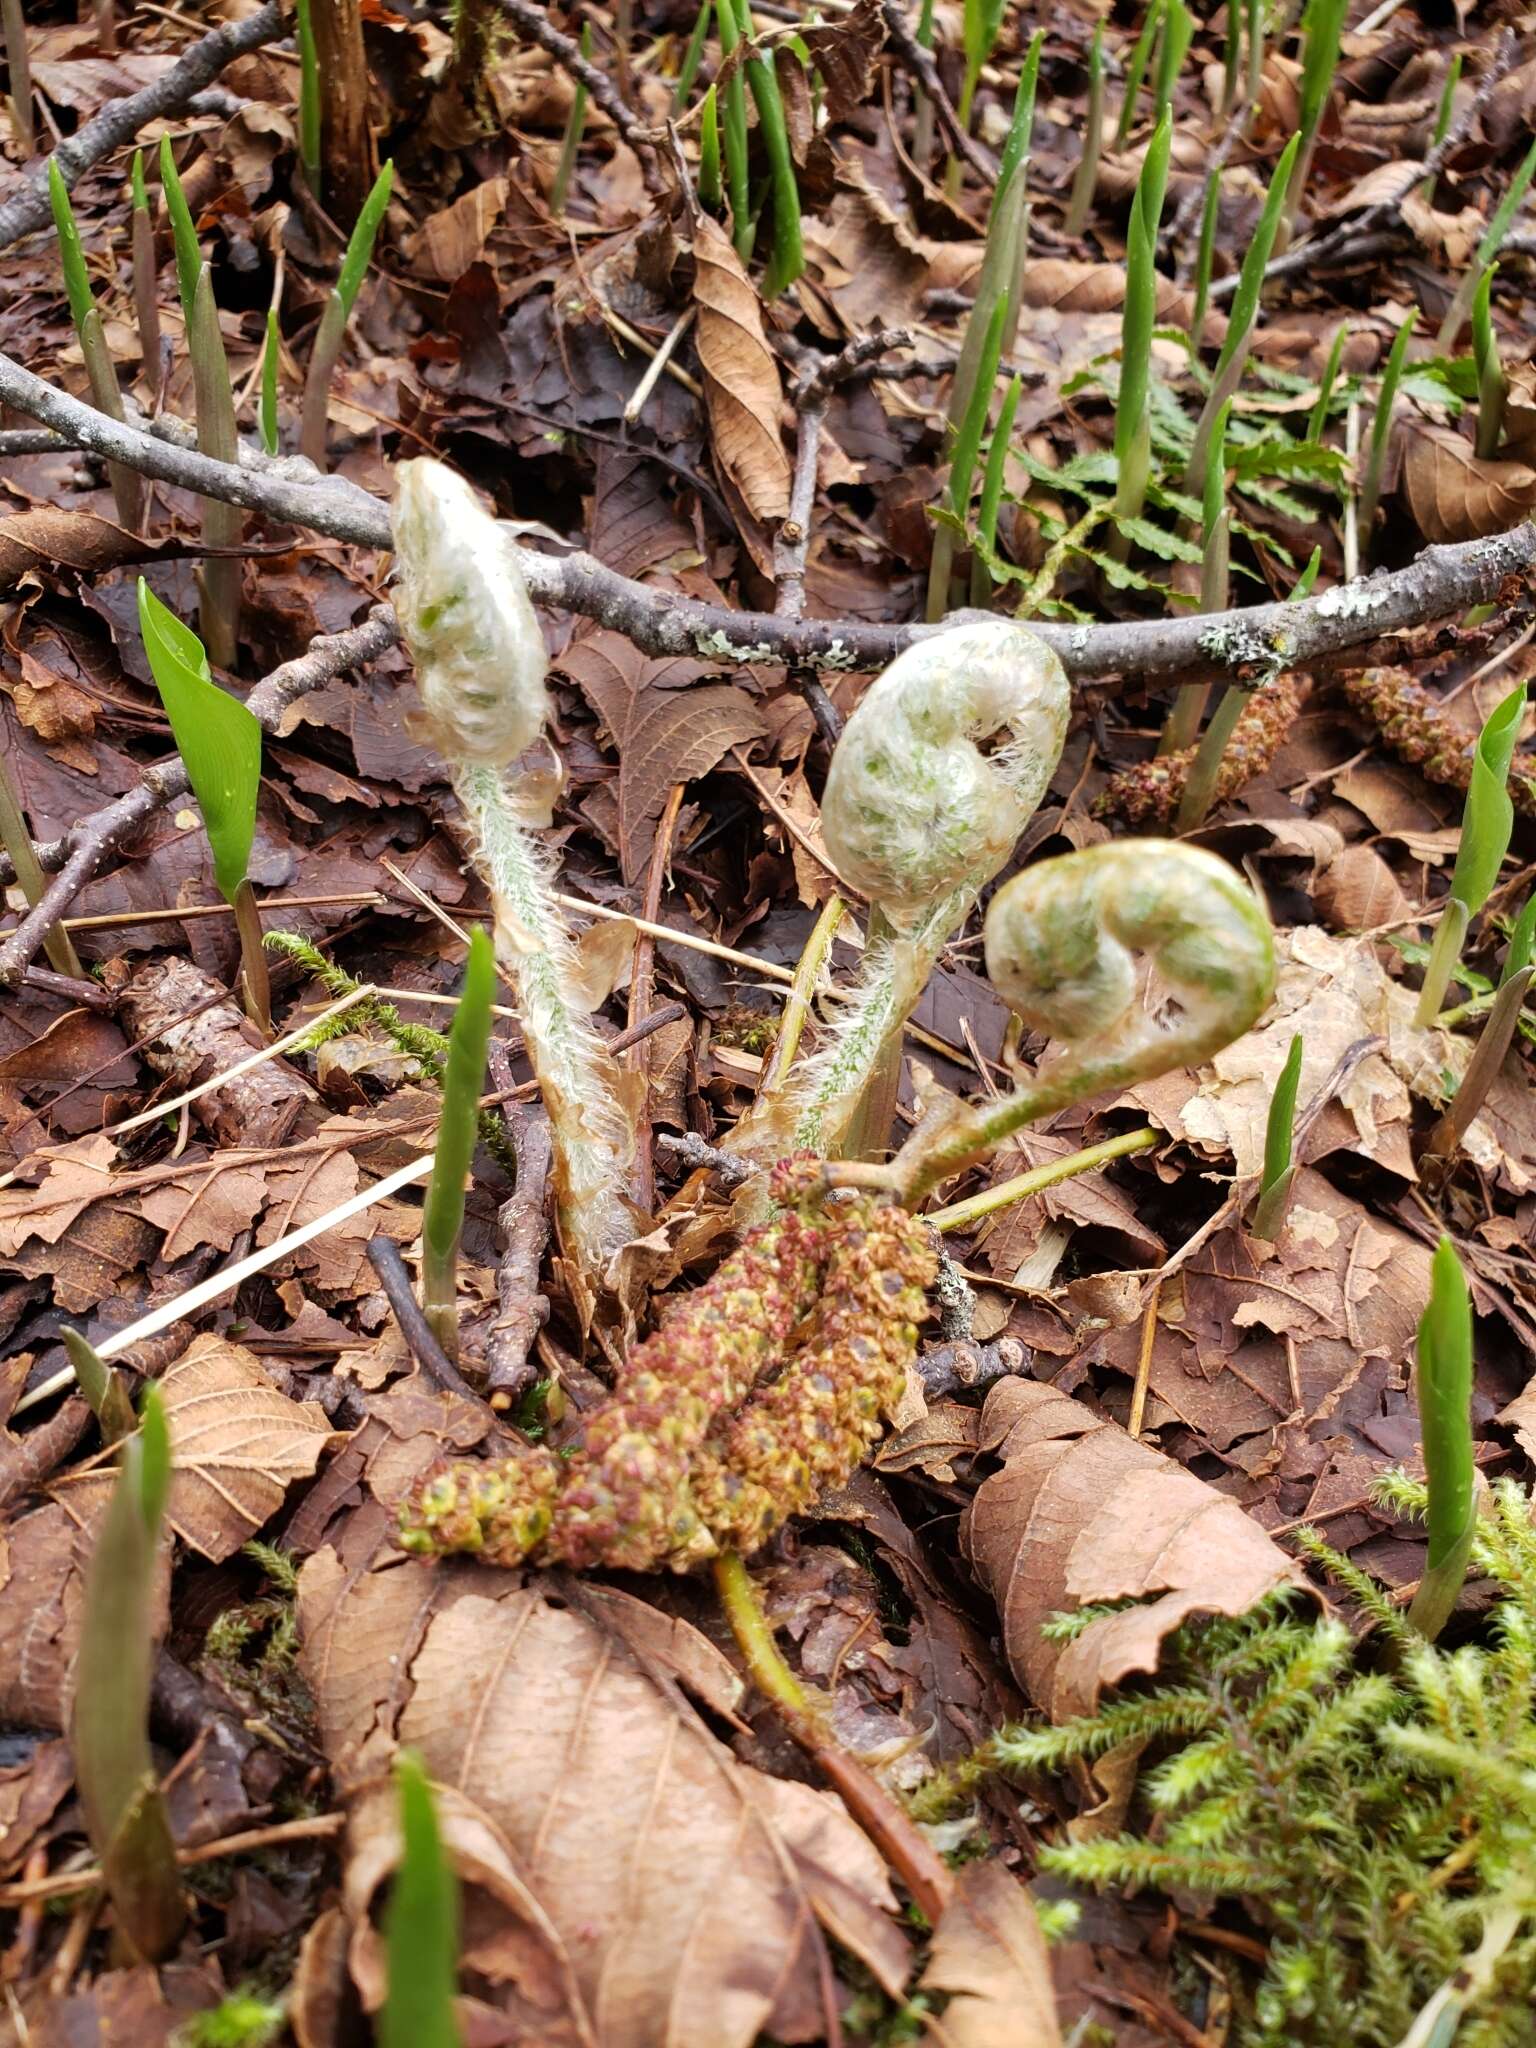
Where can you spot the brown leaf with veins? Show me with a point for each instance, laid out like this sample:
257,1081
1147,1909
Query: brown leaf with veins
688,1889
1081,1513
742,393
1452,495
990,1958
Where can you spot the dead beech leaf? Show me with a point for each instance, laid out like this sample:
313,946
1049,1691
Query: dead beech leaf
842,51
741,379
453,238
686,1887
1452,495
1357,891
1083,1513
49,537
78,1174
990,1958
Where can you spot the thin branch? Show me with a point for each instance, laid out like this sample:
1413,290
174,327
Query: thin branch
384,1257
89,844
923,66
120,120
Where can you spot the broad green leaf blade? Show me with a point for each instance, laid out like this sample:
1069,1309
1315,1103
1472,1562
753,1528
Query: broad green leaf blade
421,1925
217,738
1489,817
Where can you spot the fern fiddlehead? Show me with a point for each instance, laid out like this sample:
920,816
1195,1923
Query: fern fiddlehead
919,819
469,624
1061,946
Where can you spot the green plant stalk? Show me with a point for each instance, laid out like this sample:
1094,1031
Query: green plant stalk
442,1222
869,1127
17,841
146,303
1492,384
127,487
102,1388
734,127
271,356
1318,419
709,155
992,492
218,578
755,1640
1182,726
575,123
693,56
1204,770
1487,249
1086,182
1015,166
331,333
1268,1218
421,1925
124,1808
802,993
13,32
1136,70
1522,943
1178,34
961,1215
1444,1387
962,467
787,260
1322,26
1494,1041
1133,433
994,281
1443,119
1231,61
1243,318
189,258
1205,255
1381,426
1254,25
1486,827
922,106
309,96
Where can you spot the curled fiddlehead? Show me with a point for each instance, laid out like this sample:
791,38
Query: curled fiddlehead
1061,942
919,818
467,620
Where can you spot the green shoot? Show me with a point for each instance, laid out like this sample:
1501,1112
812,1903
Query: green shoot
1205,769
1136,70
709,154
1205,255
13,34
124,1808
734,126
788,257
146,303
1522,944
102,1388
922,106
1231,59
982,20
1302,587
1244,315
1381,425
962,466
1444,1385
1086,182
271,357
1178,34
992,493
1443,119
1279,1133
1318,418
1487,249
1492,384
421,1925
693,56
17,841
1486,826
1133,431
309,96
1253,24
1504,1006
1216,522
1322,25
575,122
442,1222
127,492
219,576
1014,164
219,740
332,330
189,258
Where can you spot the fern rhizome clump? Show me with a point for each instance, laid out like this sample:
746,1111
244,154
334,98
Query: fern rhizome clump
1371,1805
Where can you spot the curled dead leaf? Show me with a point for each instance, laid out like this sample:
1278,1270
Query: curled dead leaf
741,378
1452,495
989,1957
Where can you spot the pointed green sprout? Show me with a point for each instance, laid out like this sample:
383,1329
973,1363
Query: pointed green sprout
693,56
1133,430
102,1388
709,154
1205,254
1243,319
1014,166
1444,1386
338,311
17,841
962,466
1086,182
1381,425
1279,1134
421,1925
1487,249
309,95
1486,826
219,740
189,257
125,1813
1136,70
1494,1040
442,1223
992,493
1318,419
271,357
1178,34
1182,726
734,129
127,491
1492,384
13,34
1231,59
570,142
982,21
146,302
1322,25
1443,114
788,257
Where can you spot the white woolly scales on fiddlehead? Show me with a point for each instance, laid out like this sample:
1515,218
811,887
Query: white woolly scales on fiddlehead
919,818
1062,940
480,662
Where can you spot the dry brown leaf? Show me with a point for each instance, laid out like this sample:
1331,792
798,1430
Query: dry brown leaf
1451,494
1082,1513
47,537
686,1887
77,1175
842,52
449,241
741,378
989,1957
1357,892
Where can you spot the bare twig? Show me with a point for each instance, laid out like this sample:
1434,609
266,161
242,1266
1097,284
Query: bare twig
535,23
948,1368
120,120
922,66
89,844
384,1257
524,1225
690,1150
